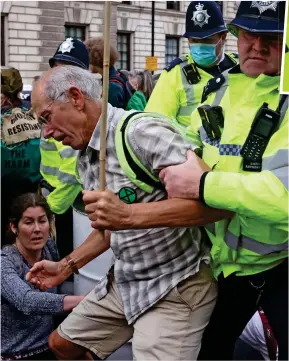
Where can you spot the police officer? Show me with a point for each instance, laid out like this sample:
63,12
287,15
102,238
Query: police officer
71,51
58,161
247,174
180,86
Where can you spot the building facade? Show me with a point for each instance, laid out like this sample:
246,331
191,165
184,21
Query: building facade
32,30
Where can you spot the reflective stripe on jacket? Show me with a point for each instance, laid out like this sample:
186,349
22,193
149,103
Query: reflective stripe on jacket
58,163
174,96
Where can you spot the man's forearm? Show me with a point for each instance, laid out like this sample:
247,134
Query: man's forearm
94,245
174,213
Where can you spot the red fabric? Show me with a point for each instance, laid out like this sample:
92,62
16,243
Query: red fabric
271,342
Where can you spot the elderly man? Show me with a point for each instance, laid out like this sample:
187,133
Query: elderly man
160,290
247,155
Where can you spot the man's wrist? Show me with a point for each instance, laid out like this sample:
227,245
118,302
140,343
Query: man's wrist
129,219
65,268
72,264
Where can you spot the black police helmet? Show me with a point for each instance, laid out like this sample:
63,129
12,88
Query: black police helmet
204,19
259,17
72,51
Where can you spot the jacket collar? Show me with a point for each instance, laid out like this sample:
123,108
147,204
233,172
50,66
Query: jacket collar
264,81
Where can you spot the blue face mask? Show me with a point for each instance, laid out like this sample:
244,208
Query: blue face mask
204,54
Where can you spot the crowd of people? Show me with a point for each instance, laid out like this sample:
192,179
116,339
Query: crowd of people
195,208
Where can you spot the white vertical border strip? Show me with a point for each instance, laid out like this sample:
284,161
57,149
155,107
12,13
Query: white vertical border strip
284,45
6,39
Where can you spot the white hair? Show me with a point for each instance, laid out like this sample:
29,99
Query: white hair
66,76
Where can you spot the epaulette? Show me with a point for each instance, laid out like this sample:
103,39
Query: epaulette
234,57
175,62
212,85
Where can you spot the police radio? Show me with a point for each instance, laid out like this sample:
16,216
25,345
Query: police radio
212,120
264,125
191,73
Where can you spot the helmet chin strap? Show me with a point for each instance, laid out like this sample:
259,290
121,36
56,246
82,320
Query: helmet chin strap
222,52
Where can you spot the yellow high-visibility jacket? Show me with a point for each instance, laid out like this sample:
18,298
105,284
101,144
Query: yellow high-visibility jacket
174,96
256,238
58,166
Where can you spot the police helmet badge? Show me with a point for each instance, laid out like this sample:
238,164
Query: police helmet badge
200,16
264,5
66,46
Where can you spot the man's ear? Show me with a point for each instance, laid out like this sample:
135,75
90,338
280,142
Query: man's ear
76,97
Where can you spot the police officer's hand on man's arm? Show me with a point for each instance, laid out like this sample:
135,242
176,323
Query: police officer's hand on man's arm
183,180
46,274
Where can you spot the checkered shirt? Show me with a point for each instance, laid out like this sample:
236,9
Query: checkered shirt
149,262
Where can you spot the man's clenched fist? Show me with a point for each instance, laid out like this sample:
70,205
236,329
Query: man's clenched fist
107,211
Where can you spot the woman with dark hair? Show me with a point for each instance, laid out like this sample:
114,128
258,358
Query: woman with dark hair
20,142
27,313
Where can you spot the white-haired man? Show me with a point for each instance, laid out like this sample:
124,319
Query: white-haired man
160,290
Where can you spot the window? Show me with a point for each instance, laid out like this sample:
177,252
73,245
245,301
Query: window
173,5
172,48
220,3
123,47
126,2
3,34
75,31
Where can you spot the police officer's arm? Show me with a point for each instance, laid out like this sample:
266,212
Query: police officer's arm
263,195
63,196
165,96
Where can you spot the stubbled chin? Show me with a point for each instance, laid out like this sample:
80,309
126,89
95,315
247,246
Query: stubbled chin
252,70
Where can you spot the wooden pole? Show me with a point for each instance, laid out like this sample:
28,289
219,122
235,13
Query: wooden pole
106,56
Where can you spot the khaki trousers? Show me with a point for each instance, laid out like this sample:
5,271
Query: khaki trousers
172,329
